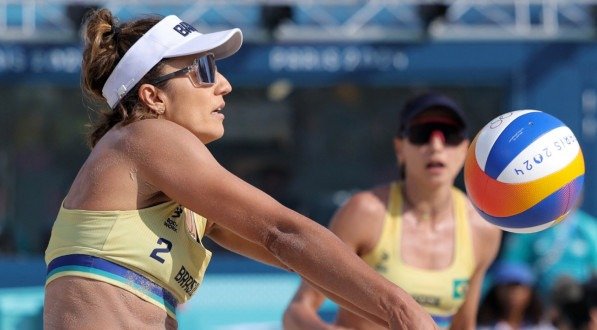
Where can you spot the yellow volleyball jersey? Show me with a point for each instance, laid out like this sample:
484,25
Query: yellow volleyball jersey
148,252
440,292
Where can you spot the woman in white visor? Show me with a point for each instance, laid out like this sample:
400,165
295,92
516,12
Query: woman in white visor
126,245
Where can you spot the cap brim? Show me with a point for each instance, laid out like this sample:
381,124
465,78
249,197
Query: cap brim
447,109
506,273
222,44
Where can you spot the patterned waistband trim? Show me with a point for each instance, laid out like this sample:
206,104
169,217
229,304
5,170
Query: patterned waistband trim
94,267
442,321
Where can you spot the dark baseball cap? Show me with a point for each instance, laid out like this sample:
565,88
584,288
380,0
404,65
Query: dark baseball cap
421,103
512,272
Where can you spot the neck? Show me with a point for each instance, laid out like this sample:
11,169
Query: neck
427,204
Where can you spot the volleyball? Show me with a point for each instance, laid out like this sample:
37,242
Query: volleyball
524,171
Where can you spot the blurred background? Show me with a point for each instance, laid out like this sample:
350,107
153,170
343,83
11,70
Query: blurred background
317,86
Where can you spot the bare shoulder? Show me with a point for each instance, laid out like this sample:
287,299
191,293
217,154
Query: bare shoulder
481,226
359,222
153,133
366,204
486,236
155,141
162,152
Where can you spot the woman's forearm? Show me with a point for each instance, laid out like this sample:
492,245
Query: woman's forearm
350,306
324,260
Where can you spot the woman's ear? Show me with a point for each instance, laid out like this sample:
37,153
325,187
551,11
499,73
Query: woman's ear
467,143
464,147
153,98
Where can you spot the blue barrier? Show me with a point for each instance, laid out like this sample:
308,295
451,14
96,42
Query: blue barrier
21,308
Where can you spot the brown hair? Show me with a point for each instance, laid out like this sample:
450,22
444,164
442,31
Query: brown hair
106,42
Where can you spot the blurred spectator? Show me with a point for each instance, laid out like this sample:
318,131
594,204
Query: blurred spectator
511,302
574,304
591,294
568,249
420,232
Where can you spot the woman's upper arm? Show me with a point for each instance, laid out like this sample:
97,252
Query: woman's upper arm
488,239
487,243
170,158
231,241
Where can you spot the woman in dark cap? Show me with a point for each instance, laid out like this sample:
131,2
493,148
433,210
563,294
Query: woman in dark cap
421,232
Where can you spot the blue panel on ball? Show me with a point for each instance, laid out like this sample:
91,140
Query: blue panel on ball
516,137
549,209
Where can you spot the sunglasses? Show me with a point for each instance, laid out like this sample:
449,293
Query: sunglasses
204,68
420,134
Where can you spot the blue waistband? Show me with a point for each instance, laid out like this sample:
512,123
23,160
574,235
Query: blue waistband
101,267
442,321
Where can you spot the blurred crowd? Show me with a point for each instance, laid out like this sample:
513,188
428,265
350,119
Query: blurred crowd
544,280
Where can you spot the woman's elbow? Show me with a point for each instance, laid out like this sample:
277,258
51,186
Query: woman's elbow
284,241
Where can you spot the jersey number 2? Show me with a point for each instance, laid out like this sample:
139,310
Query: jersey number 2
154,253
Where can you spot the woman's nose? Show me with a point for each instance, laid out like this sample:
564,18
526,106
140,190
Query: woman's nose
437,139
223,86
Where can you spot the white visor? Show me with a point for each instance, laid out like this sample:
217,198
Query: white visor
170,37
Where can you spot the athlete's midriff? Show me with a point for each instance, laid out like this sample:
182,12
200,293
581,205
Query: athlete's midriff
72,301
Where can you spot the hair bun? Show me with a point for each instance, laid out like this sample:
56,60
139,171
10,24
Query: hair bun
115,31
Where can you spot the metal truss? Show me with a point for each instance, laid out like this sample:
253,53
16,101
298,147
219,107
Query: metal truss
325,20
517,19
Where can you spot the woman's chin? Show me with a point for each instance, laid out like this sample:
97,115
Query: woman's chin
211,136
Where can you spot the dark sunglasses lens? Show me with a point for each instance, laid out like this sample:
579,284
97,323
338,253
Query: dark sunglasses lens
206,69
420,134
454,137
